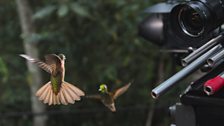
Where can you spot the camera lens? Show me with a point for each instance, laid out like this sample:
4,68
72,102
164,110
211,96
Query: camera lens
191,22
197,18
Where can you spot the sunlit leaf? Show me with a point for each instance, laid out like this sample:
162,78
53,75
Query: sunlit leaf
46,11
62,10
79,10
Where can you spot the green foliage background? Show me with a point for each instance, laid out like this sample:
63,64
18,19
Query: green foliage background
100,41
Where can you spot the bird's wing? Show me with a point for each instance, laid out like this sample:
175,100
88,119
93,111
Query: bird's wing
54,62
39,63
96,96
121,90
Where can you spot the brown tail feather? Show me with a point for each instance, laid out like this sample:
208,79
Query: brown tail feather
58,100
67,94
48,97
50,101
62,98
44,94
42,89
75,89
73,95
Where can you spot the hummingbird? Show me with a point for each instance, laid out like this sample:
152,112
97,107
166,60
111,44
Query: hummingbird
56,91
108,98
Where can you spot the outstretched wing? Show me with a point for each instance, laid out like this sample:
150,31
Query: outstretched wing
39,63
54,62
121,90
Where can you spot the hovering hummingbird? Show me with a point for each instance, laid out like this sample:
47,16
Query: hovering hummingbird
108,98
56,91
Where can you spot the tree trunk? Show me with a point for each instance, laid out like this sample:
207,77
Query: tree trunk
28,30
159,70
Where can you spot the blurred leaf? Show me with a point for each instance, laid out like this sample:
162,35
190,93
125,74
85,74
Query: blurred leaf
80,10
62,10
3,70
111,73
33,38
126,60
46,11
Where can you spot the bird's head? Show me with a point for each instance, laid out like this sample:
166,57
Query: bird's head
62,56
103,88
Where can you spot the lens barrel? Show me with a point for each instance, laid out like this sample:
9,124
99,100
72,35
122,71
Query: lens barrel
197,18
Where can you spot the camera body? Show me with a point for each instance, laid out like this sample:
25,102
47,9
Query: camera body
198,109
179,25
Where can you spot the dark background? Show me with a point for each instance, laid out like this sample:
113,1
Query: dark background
100,41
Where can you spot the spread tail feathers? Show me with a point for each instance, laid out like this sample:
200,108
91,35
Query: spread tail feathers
67,94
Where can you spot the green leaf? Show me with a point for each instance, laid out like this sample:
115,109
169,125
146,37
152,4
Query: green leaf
44,12
62,10
79,10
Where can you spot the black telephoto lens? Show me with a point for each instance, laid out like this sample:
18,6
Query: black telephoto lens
196,19
191,22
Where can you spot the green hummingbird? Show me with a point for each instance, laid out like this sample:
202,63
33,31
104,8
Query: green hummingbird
108,98
56,91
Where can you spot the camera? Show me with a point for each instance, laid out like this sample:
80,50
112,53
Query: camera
197,24
177,25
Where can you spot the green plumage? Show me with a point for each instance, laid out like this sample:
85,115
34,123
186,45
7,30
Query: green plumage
56,83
